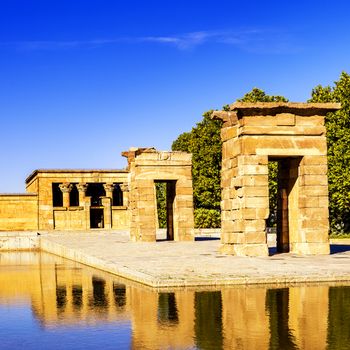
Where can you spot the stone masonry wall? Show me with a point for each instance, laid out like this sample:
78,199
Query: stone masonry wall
147,166
18,212
253,134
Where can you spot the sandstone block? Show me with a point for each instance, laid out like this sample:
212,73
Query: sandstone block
251,160
313,180
285,119
254,225
315,224
228,133
254,180
245,249
310,191
310,248
312,142
314,160
313,213
252,170
309,121
259,121
256,237
313,170
256,202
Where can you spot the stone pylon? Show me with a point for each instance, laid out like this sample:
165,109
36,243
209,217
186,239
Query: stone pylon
294,135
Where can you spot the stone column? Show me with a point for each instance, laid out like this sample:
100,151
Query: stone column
66,188
84,202
107,204
82,187
109,187
124,187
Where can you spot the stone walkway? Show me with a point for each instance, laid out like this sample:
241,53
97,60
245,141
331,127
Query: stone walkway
174,264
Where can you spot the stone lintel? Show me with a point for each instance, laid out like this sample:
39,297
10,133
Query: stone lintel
151,154
273,108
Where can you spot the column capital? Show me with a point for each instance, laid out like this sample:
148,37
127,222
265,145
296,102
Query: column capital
82,187
124,187
109,187
66,187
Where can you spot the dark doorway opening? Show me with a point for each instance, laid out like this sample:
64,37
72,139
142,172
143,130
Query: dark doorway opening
95,191
96,218
283,190
74,196
57,195
117,199
165,193
167,309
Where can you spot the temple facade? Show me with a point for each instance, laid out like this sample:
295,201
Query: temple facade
107,199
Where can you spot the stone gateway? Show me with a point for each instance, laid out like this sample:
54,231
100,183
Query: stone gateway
294,135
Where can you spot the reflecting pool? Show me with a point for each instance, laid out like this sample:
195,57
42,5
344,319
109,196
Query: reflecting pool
47,302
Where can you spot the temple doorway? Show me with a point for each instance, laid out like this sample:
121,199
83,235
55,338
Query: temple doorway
96,218
165,194
284,203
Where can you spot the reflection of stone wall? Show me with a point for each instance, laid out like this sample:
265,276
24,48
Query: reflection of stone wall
162,321
309,333
64,293
244,318
253,134
61,294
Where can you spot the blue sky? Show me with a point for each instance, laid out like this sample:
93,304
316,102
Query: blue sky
83,80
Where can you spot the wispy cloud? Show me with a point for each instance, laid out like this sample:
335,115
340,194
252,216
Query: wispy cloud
254,40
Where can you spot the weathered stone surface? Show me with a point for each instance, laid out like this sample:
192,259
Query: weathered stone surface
293,134
147,166
250,249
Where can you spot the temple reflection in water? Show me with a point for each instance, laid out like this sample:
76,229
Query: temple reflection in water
64,293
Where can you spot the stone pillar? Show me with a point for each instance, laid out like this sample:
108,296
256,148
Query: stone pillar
82,187
312,232
124,187
66,188
107,205
109,187
84,202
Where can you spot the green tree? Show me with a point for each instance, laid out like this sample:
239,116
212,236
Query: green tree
161,203
257,95
204,142
338,139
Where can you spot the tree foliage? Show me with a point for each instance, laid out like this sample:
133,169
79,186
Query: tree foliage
258,95
338,139
204,142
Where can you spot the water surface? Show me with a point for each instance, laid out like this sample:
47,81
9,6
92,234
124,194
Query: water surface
47,302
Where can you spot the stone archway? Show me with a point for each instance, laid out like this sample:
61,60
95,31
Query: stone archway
295,135
148,166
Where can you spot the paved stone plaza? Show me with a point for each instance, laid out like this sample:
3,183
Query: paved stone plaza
172,264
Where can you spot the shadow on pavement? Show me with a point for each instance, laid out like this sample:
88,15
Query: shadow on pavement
206,238
339,248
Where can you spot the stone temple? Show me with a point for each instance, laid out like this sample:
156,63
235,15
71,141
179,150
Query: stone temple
292,135
106,199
